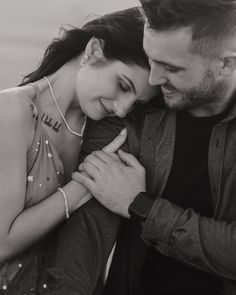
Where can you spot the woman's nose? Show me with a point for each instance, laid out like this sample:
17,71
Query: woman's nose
122,106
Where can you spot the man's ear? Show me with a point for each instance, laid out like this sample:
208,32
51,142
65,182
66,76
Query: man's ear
228,63
94,50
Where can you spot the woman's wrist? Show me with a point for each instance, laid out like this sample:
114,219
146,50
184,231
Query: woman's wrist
75,193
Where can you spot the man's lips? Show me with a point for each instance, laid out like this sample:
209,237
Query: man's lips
168,89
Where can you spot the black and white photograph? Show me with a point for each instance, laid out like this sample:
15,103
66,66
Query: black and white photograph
117,147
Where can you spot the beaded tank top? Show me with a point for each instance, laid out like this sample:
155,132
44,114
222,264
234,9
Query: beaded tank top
44,176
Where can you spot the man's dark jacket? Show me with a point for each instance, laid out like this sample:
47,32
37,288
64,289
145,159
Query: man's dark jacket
85,241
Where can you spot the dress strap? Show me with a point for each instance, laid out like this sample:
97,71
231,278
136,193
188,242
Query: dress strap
35,109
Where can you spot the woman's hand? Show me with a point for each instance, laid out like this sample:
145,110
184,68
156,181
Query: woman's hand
76,197
117,142
113,181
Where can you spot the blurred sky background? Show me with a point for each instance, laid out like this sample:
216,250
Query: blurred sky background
28,26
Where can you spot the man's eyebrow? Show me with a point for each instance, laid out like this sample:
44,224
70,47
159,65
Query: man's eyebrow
168,64
164,63
131,83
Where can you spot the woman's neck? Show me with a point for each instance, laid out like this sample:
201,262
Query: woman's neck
62,91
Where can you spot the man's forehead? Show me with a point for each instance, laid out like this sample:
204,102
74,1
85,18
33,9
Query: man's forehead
179,33
170,47
180,38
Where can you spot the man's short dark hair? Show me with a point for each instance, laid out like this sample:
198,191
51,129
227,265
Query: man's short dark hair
211,21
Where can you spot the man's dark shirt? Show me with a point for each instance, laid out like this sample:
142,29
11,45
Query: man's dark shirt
188,186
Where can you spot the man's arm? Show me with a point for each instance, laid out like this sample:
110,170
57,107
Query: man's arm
86,239
205,243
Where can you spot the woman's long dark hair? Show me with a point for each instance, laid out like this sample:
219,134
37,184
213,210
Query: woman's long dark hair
121,31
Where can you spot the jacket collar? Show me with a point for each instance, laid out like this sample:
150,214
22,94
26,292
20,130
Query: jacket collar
232,112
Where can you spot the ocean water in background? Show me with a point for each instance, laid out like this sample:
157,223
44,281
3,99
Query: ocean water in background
28,26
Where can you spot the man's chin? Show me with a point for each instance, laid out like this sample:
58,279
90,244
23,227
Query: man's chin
180,106
173,102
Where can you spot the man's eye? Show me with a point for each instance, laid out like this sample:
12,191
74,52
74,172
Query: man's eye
124,86
171,69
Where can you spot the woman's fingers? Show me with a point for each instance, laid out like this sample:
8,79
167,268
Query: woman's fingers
117,142
95,161
83,179
102,157
89,168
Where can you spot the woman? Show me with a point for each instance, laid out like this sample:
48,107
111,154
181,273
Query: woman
97,71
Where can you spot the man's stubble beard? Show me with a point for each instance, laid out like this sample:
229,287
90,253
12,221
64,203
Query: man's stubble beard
206,92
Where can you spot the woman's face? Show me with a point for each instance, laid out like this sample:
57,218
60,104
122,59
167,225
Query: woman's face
111,88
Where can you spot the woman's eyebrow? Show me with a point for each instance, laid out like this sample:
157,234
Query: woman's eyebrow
130,82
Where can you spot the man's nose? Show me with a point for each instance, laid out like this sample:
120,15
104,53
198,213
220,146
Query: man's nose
157,75
123,105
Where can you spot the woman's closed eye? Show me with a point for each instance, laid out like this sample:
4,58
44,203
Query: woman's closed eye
124,86
142,102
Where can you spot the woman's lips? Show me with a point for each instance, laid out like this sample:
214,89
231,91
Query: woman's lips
106,111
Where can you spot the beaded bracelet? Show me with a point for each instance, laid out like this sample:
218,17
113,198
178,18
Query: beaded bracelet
66,202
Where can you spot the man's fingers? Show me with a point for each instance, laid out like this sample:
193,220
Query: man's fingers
117,142
130,160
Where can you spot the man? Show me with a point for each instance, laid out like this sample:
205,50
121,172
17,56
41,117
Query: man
178,231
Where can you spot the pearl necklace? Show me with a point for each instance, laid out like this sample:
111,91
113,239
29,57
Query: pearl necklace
64,119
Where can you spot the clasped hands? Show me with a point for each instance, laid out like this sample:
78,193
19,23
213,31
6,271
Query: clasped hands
113,177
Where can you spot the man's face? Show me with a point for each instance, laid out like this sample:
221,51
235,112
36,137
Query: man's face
188,81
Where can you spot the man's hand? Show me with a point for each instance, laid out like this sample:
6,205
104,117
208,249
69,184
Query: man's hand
113,180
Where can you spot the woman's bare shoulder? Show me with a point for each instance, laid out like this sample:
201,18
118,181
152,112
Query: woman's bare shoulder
16,102
16,110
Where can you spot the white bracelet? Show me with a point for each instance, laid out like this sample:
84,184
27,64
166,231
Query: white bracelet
66,202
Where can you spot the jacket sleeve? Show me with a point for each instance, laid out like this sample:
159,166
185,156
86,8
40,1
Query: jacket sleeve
199,241
86,239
